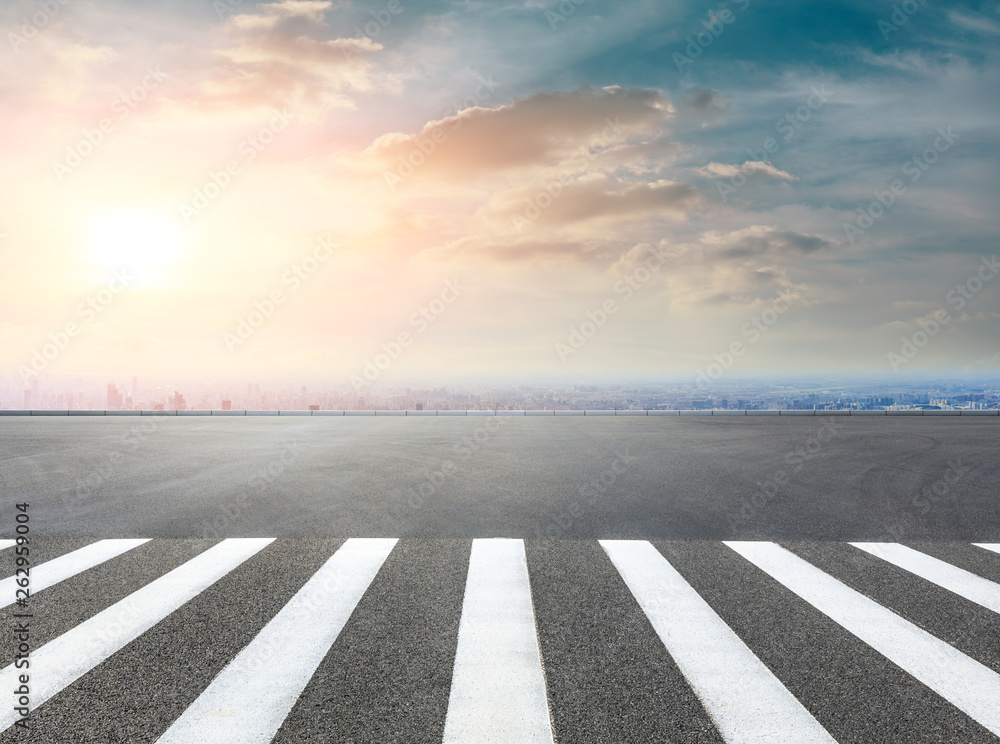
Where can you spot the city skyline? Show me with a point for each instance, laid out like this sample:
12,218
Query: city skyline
679,394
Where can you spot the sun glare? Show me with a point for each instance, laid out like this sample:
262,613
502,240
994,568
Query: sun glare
136,240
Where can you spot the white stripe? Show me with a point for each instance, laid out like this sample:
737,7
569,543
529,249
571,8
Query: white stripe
4,544
962,681
59,569
498,693
995,547
746,701
250,698
63,660
957,580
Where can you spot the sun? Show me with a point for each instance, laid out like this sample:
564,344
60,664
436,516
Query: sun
139,241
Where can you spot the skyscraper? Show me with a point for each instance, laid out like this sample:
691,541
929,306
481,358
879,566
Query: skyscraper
114,401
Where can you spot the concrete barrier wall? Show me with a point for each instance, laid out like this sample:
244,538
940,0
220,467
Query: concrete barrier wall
698,412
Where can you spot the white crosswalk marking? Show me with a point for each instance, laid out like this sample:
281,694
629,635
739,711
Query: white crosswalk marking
748,704
956,580
498,693
251,697
59,569
964,682
65,659
4,544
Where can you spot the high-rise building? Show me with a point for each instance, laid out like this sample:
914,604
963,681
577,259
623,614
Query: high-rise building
227,405
114,401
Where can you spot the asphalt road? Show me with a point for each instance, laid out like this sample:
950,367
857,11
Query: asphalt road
234,601
608,675
756,478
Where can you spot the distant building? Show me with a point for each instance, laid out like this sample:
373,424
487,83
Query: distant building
114,401
177,402
227,405
313,407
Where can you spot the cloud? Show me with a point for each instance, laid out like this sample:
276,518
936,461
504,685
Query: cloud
706,99
542,130
744,267
703,105
301,54
751,167
590,198
763,240
510,251
55,69
974,23
277,57
274,13
80,54
987,362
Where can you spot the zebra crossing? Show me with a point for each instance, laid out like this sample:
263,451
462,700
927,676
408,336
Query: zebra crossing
507,640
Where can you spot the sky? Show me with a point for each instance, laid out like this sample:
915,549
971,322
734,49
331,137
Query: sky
381,191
